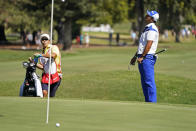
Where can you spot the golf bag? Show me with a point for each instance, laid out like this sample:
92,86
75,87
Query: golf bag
31,85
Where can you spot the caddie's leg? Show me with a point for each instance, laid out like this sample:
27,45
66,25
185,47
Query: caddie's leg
45,93
149,81
54,88
45,89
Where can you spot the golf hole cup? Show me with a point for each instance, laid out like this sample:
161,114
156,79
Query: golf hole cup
57,124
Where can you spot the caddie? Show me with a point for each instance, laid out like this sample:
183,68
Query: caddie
145,56
56,74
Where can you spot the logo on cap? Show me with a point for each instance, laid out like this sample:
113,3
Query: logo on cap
153,14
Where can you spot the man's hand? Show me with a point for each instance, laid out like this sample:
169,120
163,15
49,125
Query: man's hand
30,59
133,60
140,59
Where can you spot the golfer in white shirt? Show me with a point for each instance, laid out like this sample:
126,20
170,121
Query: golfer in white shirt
145,56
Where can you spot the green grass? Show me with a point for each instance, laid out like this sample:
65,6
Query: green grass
102,38
22,114
98,93
102,73
123,28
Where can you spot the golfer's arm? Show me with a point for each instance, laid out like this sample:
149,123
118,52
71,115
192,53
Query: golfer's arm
147,48
40,66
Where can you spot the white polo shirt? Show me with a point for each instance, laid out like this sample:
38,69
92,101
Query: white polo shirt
150,32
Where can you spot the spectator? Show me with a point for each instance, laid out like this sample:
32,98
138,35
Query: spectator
29,39
110,37
38,39
166,33
34,37
81,39
23,37
117,38
78,39
133,35
183,33
87,39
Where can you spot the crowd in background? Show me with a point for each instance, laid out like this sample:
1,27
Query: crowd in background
33,38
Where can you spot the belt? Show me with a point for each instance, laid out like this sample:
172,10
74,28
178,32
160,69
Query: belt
150,56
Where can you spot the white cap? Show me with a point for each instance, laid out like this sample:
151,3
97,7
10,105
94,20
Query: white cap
45,35
153,14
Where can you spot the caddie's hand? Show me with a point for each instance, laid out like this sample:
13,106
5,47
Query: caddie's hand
37,55
30,59
133,60
140,59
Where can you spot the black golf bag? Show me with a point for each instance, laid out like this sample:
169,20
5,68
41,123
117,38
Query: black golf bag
31,85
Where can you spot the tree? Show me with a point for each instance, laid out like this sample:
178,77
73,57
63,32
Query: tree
109,12
66,16
3,20
82,12
14,17
173,13
190,14
69,16
137,10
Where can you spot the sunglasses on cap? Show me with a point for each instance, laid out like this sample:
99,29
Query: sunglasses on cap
44,38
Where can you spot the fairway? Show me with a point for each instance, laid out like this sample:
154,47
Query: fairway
22,114
99,93
102,73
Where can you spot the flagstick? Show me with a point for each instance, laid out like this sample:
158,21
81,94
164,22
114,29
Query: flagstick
51,27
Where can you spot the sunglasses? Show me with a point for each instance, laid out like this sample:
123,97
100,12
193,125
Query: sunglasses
44,39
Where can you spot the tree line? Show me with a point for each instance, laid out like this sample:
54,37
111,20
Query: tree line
71,15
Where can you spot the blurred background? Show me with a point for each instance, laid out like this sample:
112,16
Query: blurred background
92,22
97,38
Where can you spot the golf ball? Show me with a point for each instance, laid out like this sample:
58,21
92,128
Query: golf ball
57,124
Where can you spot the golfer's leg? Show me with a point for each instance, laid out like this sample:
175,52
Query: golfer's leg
149,79
145,91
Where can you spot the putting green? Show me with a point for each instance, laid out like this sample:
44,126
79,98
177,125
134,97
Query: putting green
29,114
